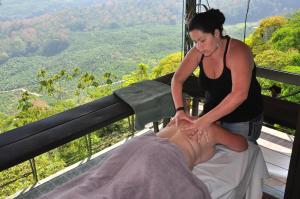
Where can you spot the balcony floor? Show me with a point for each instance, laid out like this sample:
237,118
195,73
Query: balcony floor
276,147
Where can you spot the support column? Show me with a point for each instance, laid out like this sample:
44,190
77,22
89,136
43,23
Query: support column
292,190
190,11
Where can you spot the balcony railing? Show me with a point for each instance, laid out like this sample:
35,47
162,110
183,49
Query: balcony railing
31,140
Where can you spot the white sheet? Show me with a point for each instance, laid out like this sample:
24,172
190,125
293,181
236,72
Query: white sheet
234,175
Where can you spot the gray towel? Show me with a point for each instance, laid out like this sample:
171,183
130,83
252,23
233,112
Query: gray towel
150,100
146,167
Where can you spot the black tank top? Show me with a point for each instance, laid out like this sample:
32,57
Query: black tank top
217,89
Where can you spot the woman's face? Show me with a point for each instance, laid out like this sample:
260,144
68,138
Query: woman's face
206,43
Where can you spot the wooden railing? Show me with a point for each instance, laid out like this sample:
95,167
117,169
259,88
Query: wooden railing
26,142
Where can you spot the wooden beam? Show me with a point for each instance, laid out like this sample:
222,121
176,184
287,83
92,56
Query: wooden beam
281,76
280,112
44,135
190,11
292,190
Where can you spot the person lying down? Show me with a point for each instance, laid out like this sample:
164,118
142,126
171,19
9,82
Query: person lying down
200,150
152,166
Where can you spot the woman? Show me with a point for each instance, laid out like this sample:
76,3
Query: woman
228,76
151,167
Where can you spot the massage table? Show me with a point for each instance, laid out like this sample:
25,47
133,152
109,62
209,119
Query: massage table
234,175
228,174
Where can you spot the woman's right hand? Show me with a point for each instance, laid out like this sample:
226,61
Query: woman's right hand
181,115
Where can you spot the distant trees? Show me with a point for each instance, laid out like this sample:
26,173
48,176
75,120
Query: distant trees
17,47
32,36
55,84
288,36
20,177
3,57
258,40
141,73
54,46
276,44
274,37
77,26
167,65
276,59
41,35
25,101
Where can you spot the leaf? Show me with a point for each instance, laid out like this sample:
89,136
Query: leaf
95,84
109,81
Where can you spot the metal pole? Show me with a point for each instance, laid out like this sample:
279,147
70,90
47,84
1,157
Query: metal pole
87,143
33,169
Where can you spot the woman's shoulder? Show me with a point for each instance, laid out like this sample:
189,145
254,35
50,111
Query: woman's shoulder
238,52
238,49
194,54
238,45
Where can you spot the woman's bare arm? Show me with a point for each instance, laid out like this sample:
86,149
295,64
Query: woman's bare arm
222,136
187,66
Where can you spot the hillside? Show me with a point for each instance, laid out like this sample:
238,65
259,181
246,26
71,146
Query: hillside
96,35
234,9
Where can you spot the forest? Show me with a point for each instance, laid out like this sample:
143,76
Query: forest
90,34
84,59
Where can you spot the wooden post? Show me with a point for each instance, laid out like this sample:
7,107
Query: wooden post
190,11
166,121
156,127
195,106
292,190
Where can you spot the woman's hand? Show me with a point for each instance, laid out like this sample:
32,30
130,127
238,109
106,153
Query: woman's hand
180,115
198,126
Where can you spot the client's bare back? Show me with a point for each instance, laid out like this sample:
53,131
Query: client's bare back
202,151
195,152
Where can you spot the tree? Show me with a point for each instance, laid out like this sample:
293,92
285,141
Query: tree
25,101
258,40
20,176
85,81
141,73
288,35
3,57
55,84
276,59
17,47
167,65
54,47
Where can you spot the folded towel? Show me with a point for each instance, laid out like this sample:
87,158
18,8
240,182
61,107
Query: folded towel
150,100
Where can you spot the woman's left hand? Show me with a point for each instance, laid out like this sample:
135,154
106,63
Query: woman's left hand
198,126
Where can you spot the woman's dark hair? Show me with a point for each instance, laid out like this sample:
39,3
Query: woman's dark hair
208,21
